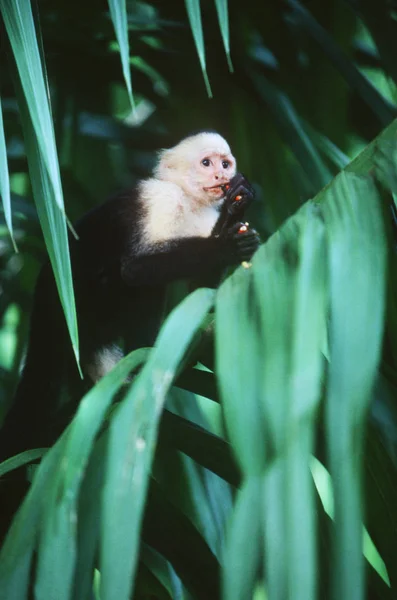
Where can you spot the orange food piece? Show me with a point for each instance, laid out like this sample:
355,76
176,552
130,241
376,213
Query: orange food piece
237,198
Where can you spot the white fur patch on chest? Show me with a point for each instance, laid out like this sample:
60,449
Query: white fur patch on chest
169,213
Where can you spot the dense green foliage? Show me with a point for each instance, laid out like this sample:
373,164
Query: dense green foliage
269,469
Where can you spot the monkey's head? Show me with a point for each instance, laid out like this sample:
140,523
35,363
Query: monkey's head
200,164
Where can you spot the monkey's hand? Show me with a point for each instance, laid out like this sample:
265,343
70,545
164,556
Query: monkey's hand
243,241
239,195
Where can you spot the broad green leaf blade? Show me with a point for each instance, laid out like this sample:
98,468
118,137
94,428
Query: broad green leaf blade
384,111
238,344
57,550
5,181
357,295
88,522
193,11
364,162
305,380
223,18
275,281
118,12
244,542
132,438
287,365
41,149
239,367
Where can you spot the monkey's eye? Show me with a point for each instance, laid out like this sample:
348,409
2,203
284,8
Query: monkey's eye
206,162
225,164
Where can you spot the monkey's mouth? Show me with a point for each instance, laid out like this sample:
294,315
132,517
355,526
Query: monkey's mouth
220,188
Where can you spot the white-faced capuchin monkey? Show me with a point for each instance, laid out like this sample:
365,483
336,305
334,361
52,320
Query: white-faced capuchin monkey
182,223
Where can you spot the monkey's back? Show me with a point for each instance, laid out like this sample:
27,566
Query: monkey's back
109,312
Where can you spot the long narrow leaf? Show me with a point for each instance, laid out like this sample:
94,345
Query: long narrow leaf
118,12
5,180
193,11
21,459
41,148
52,223
132,438
223,18
18,19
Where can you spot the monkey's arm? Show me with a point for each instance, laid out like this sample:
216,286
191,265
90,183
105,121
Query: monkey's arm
189,257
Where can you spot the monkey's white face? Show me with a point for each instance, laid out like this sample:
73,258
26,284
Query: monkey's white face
211,170
200,165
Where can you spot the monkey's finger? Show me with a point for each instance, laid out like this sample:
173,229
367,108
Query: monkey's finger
246,252
248,246
239,181
236,228
245,230
249,242
239,198
234,182
240,185
249,237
